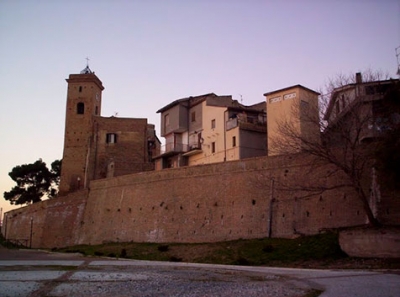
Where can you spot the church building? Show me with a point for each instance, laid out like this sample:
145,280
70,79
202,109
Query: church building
98,147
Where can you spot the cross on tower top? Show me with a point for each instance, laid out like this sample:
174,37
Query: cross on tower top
87,69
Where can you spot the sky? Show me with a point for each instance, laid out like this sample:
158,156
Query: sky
150,53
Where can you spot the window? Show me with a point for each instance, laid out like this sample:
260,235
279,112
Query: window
80,108
213,124
213,147
193,116
111,138
96,110
337,106
369,90
166,120
80,89
233,141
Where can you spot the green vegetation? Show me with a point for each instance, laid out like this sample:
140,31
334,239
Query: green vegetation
34,181
314,293
9,244
323,248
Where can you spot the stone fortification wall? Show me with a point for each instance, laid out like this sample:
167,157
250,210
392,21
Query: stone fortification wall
55,222
216,202
240,199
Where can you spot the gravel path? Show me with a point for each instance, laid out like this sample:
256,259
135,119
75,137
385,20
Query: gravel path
139,280
185,282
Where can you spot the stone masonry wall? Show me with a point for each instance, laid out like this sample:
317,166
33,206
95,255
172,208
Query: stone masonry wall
55,222
206,203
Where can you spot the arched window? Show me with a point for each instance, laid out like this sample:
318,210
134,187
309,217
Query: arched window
80,108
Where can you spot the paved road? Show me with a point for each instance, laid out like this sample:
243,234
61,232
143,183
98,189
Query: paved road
35,273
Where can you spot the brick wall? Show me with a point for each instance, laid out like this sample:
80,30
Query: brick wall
129,153
55,222
207,203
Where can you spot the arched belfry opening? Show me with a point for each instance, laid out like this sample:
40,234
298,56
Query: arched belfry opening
80,108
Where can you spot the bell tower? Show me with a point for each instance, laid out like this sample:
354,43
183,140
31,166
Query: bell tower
83,106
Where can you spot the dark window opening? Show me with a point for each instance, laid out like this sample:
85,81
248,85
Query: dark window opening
111,138
213,124
337,107
80,89
96,110
80,108
193,116
212,147
233,141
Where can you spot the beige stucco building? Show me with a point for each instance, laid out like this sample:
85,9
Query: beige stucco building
296,106
210,128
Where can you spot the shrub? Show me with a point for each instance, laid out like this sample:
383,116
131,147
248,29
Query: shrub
175,259
123,253
163,248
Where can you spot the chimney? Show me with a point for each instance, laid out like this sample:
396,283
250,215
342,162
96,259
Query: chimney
358,78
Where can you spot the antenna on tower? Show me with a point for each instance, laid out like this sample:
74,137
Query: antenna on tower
397,50
241,98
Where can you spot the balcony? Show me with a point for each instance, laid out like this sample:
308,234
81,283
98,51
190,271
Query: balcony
171,149
194,149
248,123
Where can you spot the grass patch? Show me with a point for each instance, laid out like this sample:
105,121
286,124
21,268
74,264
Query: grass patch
323,248
313,293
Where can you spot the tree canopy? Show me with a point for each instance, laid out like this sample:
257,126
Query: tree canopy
342,143
33,182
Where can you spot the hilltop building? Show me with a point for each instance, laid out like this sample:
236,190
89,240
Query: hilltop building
360,106
209,129
102,201
296,105
98,147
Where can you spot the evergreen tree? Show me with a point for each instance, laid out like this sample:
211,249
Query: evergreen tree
33,182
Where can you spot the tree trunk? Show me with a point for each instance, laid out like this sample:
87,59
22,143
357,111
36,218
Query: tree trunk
373,221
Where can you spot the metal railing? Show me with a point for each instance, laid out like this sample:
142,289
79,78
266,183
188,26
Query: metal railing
174,147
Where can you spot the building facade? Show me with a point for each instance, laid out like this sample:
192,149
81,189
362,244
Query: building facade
296,106
98,147
360,110
209,129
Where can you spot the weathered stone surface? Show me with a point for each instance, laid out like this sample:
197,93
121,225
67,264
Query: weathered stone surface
371,243
207,203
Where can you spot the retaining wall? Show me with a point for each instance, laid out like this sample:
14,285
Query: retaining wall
252,198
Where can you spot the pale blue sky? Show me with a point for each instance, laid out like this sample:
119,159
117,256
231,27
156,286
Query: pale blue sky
149,53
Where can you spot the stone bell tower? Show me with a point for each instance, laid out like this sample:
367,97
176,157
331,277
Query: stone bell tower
83,106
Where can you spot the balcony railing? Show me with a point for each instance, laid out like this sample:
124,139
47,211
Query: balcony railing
177,148
174,148
247,124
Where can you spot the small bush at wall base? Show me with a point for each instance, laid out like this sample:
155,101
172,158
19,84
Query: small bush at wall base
268,249
242,261
123,253
175,259
163,248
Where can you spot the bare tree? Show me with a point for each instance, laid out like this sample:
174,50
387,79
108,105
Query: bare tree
347,121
